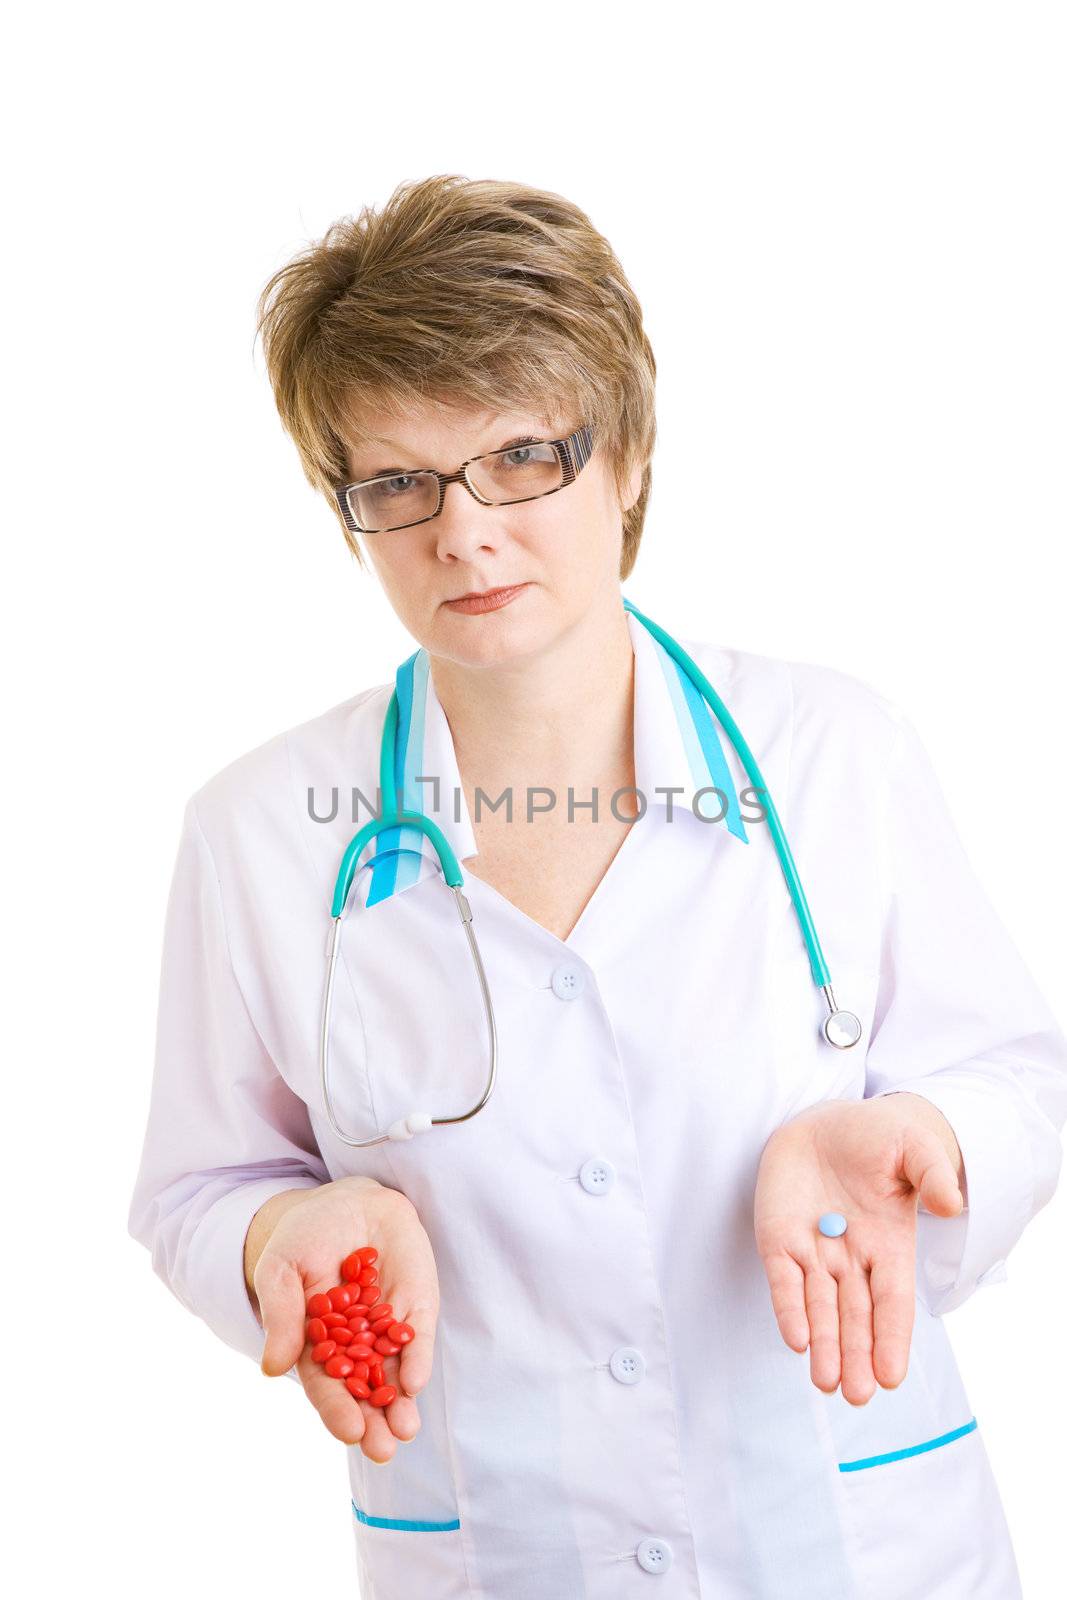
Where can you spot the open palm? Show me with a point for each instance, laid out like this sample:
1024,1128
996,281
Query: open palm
852,1299
302,1257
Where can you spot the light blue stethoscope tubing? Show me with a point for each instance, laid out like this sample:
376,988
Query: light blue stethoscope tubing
842,1029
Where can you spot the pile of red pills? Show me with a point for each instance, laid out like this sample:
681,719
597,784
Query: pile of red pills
351,1330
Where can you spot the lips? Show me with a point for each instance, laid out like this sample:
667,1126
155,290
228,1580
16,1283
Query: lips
487,594
489,600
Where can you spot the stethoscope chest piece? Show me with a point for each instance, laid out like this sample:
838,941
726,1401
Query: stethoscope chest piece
842,1029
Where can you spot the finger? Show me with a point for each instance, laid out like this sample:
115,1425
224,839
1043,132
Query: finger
341,1412
403,1417
378,1443
280,1292
786,1278
353,1421
930,1172
416,1358
402,1414
857,1334
893,1295
820,1298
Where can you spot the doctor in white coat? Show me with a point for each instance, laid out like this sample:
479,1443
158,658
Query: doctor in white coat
640,1368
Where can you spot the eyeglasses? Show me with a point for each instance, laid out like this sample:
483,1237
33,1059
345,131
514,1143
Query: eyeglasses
501,478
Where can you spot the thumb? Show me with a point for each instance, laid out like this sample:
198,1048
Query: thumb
280,1292
930,1172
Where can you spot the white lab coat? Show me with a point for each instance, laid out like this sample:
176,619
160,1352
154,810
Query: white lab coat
611,1401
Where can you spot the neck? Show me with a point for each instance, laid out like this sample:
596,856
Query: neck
564,716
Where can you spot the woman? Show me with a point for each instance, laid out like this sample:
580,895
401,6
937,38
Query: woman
649,1360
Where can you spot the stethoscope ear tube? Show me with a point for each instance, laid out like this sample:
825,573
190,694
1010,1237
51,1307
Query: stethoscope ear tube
415,1121
842,1029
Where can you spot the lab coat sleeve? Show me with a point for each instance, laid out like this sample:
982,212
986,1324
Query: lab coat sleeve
224,1132
959,1020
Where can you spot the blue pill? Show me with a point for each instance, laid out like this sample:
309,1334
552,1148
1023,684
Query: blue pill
832,1224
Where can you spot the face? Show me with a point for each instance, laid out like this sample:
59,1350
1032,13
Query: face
563,548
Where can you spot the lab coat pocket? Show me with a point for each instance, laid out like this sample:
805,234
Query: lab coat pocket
405,1512
927,1520
912,1457
395,1563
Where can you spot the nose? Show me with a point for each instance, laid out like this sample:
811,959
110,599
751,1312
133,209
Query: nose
464,526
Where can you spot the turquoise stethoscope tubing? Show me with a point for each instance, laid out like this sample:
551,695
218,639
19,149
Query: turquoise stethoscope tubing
842,1029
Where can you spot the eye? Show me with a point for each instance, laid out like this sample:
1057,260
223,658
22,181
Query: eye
518,452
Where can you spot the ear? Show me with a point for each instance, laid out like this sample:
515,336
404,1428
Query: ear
633,487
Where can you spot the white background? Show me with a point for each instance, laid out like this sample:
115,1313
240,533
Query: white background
846,225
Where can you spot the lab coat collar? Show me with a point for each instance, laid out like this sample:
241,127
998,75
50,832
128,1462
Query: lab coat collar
679,760
679,756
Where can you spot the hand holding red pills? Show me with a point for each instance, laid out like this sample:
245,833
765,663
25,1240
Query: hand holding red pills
308,1242
352,1331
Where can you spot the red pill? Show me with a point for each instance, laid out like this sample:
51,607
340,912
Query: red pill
361,1348
379,1325
358,1387
351,1267
316,1330
367,1254
343,1336
358,1323
368,1294
400,1332
368,1275
322,1352
381,1309
318,1305
377,1374
360,1369
383,1396
339,1366
386,1347
334,1319
340,1298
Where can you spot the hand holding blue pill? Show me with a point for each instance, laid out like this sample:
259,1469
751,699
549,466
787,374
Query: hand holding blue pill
837,1193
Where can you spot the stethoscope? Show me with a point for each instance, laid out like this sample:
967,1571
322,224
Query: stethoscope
842,1029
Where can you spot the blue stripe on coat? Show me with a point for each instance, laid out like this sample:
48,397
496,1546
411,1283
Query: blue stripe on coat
404,1524
391,866
707,763
912,1449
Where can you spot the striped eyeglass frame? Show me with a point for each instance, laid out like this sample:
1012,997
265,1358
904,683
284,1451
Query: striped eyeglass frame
573,453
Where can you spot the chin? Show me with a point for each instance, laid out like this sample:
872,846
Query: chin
502,641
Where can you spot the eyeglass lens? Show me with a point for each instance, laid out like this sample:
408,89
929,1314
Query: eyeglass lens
520,473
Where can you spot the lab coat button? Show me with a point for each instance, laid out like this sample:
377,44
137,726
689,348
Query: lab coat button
568,981
597,1175
627,1364
654,1555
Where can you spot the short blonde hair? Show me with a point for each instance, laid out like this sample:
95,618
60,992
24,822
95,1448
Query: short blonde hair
473,292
